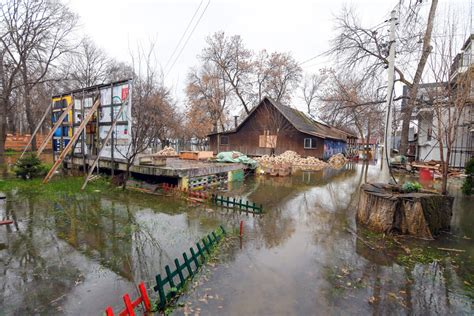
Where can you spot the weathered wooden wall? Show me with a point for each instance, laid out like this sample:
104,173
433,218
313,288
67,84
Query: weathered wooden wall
266,117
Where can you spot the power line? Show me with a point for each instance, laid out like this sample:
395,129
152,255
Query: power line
184,33
187,40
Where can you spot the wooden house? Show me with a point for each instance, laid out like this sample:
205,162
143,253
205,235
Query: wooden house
273,128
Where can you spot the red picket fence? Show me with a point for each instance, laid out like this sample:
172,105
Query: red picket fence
130,306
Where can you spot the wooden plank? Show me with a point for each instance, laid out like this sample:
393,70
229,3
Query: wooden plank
425,166
73,140
109,133
38,126
55,127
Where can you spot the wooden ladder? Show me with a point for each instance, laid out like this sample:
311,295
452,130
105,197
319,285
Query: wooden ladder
104,142
55,127
74,138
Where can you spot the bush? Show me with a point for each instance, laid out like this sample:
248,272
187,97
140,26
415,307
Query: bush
468,183
29,167
408,187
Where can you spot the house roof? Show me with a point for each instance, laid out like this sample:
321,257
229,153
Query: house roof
300,121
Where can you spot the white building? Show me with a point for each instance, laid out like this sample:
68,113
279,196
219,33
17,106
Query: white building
427,124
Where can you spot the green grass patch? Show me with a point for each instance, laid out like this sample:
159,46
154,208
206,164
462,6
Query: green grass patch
57,186
420,255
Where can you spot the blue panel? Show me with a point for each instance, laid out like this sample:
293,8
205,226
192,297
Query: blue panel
333,147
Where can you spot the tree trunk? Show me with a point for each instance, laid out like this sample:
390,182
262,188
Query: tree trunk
367,146
444,179
29,113
3,129
127,175
426,50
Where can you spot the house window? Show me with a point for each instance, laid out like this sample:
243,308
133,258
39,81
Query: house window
310,143
429,133
224,140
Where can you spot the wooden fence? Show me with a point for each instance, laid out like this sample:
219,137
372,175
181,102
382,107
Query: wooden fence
169,285
237,204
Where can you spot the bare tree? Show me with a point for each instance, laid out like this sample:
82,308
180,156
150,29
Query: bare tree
152,108
208,93
348,101
366,49
36,35
88,65
235,61
284,75
246,76
450,98
310,88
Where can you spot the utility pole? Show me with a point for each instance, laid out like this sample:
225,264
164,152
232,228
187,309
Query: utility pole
388,116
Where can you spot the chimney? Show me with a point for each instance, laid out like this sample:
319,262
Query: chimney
235,121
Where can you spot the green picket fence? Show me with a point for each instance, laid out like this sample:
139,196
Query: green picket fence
237,204
169,285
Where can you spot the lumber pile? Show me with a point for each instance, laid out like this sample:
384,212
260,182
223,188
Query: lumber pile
436,167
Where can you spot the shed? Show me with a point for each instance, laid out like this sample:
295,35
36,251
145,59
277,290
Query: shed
273,128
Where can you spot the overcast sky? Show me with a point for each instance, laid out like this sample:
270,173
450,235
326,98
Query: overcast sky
303,28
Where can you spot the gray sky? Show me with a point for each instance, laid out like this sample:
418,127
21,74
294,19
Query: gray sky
302,27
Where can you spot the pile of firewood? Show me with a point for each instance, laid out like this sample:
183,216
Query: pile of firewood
291,160
167,151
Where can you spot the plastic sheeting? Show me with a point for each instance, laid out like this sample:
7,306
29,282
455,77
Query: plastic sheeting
235,156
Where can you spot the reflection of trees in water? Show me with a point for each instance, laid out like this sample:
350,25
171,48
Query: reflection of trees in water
34,272
272,229
423,289
108,229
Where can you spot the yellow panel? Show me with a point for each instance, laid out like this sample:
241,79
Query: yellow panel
68,99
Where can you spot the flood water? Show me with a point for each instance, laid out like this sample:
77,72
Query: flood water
81,252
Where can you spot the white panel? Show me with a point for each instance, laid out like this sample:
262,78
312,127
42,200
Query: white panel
105,116
105,96
88,102
117,95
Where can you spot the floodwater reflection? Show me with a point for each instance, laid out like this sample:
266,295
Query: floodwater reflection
81,252
303,258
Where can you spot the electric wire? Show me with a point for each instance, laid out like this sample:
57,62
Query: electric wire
182,36
187,40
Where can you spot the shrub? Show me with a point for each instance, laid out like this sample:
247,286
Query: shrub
29,167
408,187
468,183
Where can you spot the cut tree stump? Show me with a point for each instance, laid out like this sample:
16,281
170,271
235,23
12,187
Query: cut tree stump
384,208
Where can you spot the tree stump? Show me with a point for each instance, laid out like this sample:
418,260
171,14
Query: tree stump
384,208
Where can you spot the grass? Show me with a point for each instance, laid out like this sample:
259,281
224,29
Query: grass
420,255
58,185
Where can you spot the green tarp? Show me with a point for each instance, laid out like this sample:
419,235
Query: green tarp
235,156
